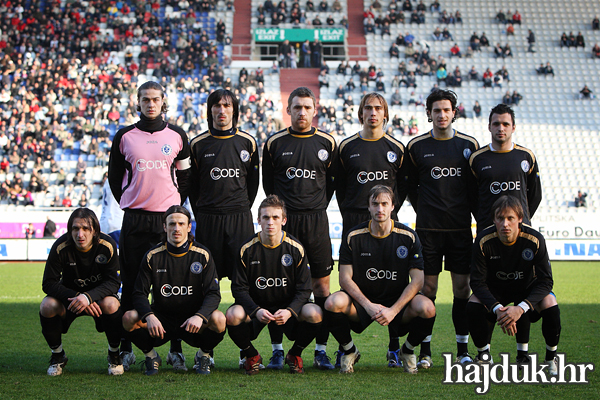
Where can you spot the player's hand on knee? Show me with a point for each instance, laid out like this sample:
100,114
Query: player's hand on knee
508,315
264,316
385,316
193,324
510,330
282,316
373,309
94,310
155,328
78,304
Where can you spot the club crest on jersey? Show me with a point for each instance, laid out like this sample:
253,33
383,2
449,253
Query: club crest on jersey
527,254
166,149
101,259
525,165
467,153
244,155
196,267
391,156
402,252
323,155
286,260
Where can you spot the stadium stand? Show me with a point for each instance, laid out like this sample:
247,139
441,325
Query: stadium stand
64,88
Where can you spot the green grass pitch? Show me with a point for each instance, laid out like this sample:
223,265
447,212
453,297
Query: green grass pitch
24,354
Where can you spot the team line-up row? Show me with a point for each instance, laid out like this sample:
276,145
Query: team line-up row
388,273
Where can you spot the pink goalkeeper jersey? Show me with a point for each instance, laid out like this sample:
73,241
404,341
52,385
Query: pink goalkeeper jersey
149,182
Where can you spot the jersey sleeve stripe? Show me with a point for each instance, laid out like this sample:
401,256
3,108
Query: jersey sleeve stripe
404,232
530,238
276,136
201,136
62,246
107,245
395,141
348,140
248,245
357,232
201,251
246,135
518,147
155,251
295,244
327,136
487,238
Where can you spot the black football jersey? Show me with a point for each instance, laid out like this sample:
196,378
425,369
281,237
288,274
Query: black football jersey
299,168
519,272
381,265
443,189
365,163
70,272
182,285
513,173
225,174
272,278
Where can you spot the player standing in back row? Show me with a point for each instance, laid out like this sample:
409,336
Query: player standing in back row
298,166
504,167
148,172
369,158
443,193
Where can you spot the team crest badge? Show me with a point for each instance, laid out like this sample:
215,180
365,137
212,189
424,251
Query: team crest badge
196,268
527,254
402,252
101,259
467,153
286,260
391,156
323,155
525,165
166,149
244,155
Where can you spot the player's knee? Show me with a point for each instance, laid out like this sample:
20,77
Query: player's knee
130,319
109,305
425,308
50,307
311,313
337,302
217,321
235,315
547,302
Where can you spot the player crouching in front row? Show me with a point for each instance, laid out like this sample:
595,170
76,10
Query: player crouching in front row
510,265
81,278
182,276
272,284
380,259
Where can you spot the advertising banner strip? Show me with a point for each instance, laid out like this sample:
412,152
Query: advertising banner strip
277,35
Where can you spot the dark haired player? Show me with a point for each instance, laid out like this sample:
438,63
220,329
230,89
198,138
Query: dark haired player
148,172
298,166
381,273
81,278
369,158
224,181
504,167
511,265
443,193
271,285
180,273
